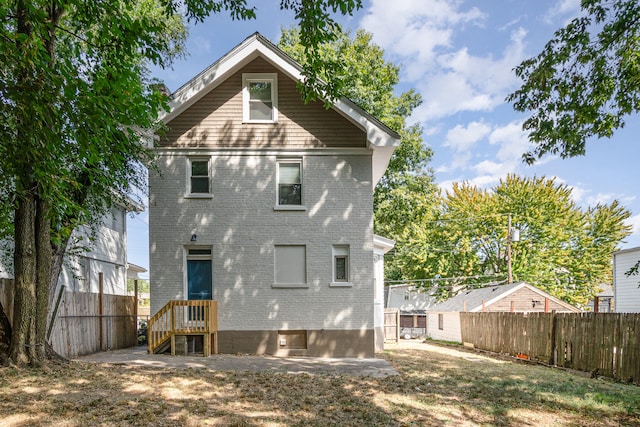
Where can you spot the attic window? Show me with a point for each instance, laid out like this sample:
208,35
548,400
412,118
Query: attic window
260,98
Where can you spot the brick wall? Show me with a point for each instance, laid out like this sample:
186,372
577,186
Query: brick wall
241,226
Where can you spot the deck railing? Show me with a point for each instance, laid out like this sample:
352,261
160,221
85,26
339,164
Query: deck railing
185,317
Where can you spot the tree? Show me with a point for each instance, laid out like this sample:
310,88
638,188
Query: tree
562,249
585,82
76,102
407,190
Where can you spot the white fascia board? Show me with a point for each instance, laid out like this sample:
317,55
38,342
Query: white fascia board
624,251
383,244
377,135
219,71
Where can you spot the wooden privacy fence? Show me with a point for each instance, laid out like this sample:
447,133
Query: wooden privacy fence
601,343
86,322
392,324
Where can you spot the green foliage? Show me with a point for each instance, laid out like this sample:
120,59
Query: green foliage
584,82
562,249
143,286
406,192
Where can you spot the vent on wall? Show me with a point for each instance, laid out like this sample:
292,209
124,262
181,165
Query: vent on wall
292,340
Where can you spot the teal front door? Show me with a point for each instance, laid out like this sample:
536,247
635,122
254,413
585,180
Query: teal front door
199,284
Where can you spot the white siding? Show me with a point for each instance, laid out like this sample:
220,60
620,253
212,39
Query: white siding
242,227
451,327
106,254
408,298
626,290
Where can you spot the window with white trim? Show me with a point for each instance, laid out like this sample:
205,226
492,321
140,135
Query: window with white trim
289,182
199,182
290,266
340,263
260,97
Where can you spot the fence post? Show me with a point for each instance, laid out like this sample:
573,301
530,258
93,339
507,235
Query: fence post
552,338
135,311
100,313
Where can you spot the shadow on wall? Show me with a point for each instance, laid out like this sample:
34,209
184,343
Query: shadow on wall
238,220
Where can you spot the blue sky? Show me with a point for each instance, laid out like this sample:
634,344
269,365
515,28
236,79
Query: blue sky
459,55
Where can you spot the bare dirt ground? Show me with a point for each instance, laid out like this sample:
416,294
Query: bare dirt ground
435,386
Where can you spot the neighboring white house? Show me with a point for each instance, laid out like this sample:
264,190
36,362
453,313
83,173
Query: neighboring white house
265,204
443,321
626,288
106,256
94,254
409,298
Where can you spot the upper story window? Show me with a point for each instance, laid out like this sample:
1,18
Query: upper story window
199,183
260,98
290,182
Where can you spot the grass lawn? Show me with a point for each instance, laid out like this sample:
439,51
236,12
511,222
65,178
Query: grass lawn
436,386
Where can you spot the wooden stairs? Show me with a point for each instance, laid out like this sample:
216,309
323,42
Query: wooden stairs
184,318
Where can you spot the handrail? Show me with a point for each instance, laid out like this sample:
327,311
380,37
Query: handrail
182,317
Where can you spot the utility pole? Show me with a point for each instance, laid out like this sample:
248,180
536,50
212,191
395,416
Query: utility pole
513,235
509,272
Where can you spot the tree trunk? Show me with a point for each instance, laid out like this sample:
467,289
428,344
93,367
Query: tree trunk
23,336
43,277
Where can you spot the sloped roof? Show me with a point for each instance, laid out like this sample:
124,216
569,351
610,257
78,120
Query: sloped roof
489,294
380,138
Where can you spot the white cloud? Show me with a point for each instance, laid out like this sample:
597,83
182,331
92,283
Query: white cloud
451,78
634,222
561,9
513,142
578,192
426,26
510,142
605,198
462,138
460,81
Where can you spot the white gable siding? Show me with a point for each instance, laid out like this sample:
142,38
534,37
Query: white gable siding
106,254
626,290
408,298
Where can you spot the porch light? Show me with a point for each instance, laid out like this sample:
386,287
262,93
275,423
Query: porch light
194,238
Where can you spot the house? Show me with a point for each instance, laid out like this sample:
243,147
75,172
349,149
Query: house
412,303
443,322
265,205
142,295
603,301
626,288
100,255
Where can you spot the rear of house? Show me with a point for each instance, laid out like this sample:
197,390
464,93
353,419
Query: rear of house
265,205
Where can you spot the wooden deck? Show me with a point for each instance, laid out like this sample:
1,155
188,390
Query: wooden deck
184,317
